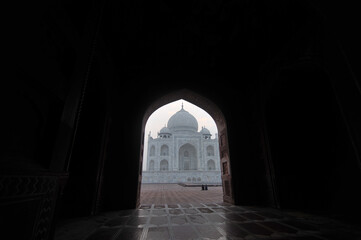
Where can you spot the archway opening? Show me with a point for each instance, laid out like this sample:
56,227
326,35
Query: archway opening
184,152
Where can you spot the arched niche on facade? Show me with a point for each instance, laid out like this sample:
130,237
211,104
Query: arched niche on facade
152,151
217,115
151,165
210,150
211,165
187,157
164,165
164,150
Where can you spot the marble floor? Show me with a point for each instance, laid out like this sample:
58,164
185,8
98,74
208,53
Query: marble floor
203,219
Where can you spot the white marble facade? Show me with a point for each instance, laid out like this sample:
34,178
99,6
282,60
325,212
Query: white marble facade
181,154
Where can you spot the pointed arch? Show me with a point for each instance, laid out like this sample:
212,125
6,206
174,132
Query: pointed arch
187,157
213,110
151,165
152,151
164,150
211,165
164,166
210,150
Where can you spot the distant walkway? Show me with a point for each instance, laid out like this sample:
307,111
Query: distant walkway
176,194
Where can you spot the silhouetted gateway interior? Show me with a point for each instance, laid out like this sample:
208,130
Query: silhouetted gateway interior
81,75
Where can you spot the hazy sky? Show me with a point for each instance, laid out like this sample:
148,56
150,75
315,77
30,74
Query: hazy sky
160,117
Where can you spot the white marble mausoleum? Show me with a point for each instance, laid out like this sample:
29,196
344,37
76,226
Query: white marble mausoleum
182,154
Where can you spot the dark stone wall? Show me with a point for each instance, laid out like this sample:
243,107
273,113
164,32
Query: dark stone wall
309,144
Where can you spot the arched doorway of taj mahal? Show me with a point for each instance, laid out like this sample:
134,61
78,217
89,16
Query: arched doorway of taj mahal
181,155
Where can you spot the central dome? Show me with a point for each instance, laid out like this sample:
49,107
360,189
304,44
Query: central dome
183,121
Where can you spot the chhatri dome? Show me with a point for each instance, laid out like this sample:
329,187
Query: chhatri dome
182,121
164,130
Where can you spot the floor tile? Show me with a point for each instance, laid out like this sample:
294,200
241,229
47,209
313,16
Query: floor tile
232,230
278,227
137,221
185,205
205,210
142,212
252,216
129,234
175,211
197,205
157,233
222,210
207,231
173,206
190,211
159,220
184,232
146,206
211,205
178,220
234,217
159,212
215,218
197,219
159,206
255,228
235,209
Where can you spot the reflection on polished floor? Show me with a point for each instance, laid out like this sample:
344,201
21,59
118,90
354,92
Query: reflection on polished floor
207,220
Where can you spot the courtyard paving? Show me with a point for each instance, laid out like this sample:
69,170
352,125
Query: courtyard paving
175,212
176,194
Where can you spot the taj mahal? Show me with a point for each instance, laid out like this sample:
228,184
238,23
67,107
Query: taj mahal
182,154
